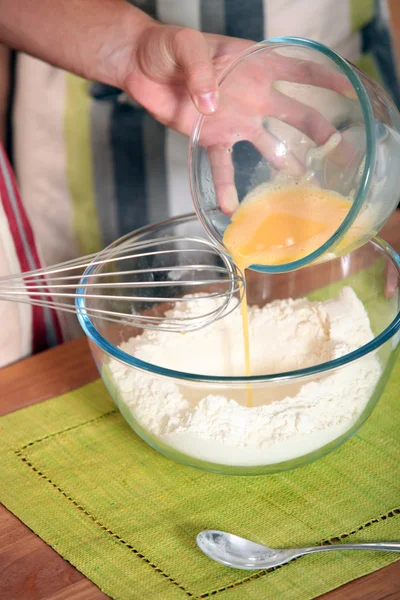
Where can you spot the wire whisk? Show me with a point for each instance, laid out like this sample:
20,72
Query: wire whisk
136,283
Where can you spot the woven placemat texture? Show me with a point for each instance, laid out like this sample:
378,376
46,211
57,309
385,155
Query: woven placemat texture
127,517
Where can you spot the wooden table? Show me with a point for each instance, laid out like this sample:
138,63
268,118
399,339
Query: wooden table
31,570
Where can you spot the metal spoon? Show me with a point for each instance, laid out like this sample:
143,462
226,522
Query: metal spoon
237,552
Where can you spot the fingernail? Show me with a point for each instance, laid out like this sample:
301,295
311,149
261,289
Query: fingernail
351,94
229,201
207,103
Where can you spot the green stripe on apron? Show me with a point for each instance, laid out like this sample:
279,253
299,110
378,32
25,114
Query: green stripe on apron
79,161
361,13
367,64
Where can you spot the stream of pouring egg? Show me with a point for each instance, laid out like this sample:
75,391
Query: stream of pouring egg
277,225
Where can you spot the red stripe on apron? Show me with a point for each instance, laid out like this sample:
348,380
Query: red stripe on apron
39,330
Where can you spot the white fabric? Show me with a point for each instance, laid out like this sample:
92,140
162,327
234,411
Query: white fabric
40,156
325,21
16,319
176,12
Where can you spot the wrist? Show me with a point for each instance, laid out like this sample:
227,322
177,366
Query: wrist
118,53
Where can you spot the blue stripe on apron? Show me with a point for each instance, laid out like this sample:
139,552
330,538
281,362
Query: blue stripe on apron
245,19
129,166
212,16
103,168
147,6
376,41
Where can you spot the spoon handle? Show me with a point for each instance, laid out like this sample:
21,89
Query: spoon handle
381,546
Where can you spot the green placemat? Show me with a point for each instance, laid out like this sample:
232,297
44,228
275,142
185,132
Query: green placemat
126,517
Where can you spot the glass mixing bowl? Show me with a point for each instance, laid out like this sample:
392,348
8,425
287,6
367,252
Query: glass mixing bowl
292,110
366,270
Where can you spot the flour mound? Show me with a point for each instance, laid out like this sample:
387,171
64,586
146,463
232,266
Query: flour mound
213,423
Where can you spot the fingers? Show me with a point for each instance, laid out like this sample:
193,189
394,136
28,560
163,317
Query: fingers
223,176
392,280
310,73
192,54
303,117
278,154
311,122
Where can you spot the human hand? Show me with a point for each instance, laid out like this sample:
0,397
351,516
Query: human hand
172,70
173,73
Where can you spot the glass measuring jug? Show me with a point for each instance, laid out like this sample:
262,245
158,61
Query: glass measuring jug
294,113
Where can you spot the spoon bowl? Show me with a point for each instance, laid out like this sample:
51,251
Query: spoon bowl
239,553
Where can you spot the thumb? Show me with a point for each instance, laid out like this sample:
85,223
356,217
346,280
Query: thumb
192,54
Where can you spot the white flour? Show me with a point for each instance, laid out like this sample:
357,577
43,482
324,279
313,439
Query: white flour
213,423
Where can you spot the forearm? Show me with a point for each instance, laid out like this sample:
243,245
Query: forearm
87,37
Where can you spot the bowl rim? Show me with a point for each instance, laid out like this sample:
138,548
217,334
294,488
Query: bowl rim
370,156
94,335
